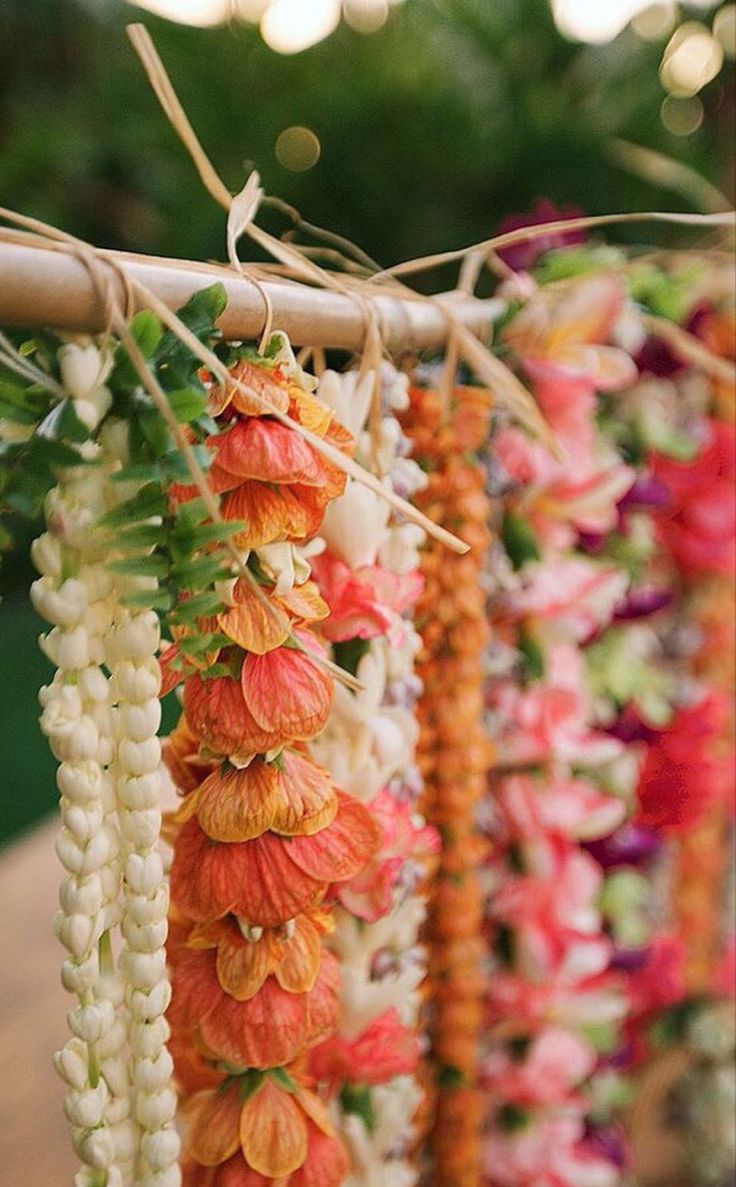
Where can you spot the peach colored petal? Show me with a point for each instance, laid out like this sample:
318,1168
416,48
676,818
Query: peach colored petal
237,1173
212,1129
242,965
341,850
268,451
307,801
273,1131
296,961
263,383
254,623
275,889
315,1110
239,804
309,410
271,514
285,691
305,602
323,1003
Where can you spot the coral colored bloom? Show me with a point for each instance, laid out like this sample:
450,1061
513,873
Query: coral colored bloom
266,1030
292,796
281,696
268,1123
290,953
254,621
386,1048
574,595
364,602
270,879
264,450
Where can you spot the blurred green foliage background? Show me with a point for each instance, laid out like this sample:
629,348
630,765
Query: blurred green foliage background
454,115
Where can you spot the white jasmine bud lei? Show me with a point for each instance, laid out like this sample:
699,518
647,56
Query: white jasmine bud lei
131,651
74,594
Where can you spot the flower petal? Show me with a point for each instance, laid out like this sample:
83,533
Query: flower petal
266,1031
305,602
242,965
341,850
204,874
255,623
218,715
296,961
196,992
212,1125
269,452
273,1131
239,804
285,691
307,801
327,1163
271,513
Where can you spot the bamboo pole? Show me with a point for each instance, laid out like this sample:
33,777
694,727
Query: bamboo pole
46,286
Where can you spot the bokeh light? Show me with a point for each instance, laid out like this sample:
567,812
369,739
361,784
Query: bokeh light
297,149
366,16
682,117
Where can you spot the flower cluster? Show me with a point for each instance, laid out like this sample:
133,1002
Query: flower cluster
454,758
368,576
263,837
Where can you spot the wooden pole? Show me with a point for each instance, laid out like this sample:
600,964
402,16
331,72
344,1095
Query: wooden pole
47,286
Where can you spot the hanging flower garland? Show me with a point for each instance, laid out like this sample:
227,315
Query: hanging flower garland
368,576
593,722
454,759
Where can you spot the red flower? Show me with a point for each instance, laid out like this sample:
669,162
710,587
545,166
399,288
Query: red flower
682,775
386,1048
699,526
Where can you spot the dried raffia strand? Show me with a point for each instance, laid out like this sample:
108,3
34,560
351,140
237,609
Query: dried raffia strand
73,593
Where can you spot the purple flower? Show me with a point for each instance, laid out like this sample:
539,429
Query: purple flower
608,1141
643,601
632,844
521,256
646,492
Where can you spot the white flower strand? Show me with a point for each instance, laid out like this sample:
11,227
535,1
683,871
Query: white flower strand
131,650
366,744
73,593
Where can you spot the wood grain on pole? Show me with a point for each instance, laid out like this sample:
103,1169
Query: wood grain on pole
44,287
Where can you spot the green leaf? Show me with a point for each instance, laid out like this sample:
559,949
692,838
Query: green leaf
518,540
141,566
147,502
200,606
22,405
147,331
196,645
142,536
203,309
357,1099
139,472
187,404
155,599
195,574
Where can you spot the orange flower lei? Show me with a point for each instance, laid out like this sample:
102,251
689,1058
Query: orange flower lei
262,832
454,757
